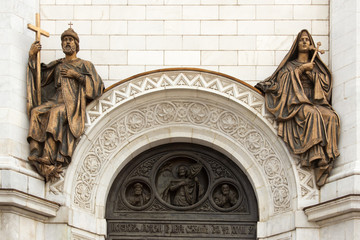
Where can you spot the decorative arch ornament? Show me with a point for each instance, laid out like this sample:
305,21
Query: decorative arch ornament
215,109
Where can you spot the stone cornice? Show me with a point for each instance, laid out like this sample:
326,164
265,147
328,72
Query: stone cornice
337,208
20,201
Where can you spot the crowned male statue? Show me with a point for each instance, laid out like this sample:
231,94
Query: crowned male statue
67,85
298,94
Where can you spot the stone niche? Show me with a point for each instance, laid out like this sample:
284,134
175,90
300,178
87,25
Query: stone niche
181,191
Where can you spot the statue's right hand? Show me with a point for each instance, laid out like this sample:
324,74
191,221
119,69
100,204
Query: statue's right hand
308,66
34,49
183,183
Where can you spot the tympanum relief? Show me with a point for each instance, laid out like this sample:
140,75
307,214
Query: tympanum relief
180,183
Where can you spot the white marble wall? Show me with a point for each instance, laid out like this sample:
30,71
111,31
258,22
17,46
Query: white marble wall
15,172
338,213
345,65
15,40
12,223
243,38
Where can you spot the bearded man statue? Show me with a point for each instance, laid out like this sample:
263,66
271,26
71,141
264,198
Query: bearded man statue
67,85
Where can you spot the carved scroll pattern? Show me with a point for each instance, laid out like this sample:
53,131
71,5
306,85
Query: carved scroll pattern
180,112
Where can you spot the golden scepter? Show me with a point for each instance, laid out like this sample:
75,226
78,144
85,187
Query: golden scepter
38,32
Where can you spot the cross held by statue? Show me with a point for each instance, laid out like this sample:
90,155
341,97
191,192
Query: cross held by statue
317,49
38,32
37,28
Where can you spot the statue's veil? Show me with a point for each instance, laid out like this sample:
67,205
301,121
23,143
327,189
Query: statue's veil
292,55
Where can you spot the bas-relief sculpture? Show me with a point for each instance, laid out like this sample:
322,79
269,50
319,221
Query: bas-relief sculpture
299,94
57,119
139,195
186,189
225,196
191,191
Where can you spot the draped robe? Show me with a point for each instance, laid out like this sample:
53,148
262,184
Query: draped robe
61,116
301,104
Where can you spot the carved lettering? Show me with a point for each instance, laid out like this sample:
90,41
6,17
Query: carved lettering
197,229
176,228
238,230
225,229
215,229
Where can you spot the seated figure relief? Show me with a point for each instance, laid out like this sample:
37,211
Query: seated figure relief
299,95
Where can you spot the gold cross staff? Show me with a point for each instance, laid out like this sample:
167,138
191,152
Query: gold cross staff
38,32
317,49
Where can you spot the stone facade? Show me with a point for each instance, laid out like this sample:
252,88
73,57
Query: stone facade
245,39
242,38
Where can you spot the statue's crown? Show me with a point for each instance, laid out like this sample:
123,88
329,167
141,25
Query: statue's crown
70,32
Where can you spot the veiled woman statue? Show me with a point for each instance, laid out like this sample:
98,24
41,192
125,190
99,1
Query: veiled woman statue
298,94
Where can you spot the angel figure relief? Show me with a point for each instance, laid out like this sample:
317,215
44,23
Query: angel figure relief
186,189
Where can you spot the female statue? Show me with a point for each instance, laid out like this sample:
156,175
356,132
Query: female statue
298,94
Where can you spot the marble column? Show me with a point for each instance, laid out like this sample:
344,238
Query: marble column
338,213
23,208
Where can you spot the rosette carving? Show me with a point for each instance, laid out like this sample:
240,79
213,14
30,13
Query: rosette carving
165,112
92,164
254,141
198,113
182,112
228,122
135,121
109,139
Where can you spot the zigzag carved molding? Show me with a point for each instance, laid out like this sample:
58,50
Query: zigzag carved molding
184,78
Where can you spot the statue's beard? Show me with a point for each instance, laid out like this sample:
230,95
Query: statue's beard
69,50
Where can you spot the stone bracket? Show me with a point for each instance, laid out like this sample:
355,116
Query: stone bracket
336,209
15,200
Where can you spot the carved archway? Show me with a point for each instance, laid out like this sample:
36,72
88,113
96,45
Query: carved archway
189,106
